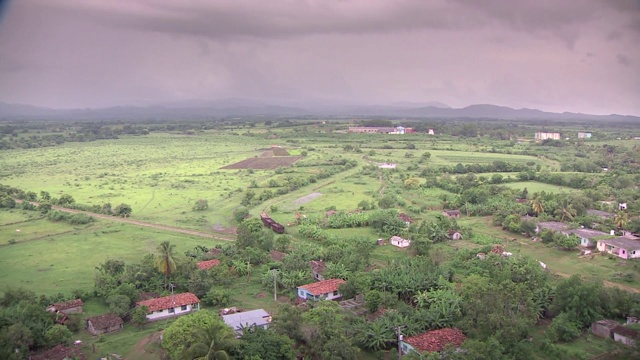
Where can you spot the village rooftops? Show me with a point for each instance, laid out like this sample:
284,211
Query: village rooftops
323,287
600,213
59,352
66,305
170,301
239,320
436,340
623,242
105,321
208,264
553,225
587,233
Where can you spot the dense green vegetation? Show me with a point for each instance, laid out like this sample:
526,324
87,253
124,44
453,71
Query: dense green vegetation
335,202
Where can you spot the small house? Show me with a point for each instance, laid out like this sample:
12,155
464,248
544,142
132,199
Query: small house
172,305
554,226
318,267
399,242
243,320
621,247
59,352
587,236
432,341
67,307
387,166
625,335
451,213
431,132
277,255
103,324
208,264
455,235
405,218
321,290
622,206
599,213
604,328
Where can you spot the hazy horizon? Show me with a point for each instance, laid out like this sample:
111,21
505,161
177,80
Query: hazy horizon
574,55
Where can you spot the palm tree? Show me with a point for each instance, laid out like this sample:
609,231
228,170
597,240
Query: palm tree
165,261
565,210
537,206
211,343
621,219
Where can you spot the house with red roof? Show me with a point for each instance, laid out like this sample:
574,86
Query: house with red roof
172,305
432,341
321,290
208,264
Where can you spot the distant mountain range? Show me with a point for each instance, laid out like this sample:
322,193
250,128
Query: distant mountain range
239,107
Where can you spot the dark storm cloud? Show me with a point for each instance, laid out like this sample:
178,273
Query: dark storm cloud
624,60
556,55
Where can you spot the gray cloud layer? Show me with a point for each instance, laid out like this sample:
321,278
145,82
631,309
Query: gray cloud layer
573,55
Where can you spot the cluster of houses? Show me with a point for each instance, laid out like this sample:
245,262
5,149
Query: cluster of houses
626,246
543,135
611,329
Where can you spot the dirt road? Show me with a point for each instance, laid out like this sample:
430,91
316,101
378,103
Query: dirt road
216,236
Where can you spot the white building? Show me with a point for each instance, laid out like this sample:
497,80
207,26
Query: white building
540,135
321,290
246,319
399,242
584,135
172,305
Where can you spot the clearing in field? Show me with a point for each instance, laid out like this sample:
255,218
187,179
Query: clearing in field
305,199
534,186
267,160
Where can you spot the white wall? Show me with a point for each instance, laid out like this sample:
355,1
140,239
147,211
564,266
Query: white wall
165,313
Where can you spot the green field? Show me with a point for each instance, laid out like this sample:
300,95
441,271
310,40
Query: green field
533,187
64,262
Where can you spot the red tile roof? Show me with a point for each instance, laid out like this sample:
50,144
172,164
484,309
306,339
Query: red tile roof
67,304
208,264
105,321
170,301
323,287
59,352
436,340
318,266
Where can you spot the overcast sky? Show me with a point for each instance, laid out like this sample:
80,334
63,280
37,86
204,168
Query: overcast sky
554,55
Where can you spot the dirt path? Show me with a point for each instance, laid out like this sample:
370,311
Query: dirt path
139,351
606,283
143,223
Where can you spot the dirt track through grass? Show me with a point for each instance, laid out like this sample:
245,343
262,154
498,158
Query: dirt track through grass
145,224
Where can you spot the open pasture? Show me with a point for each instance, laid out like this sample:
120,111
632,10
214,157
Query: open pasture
534,186
67,261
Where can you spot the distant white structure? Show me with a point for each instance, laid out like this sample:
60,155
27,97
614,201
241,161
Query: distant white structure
399,242
387,166
584,135
432,132
547,135
622,206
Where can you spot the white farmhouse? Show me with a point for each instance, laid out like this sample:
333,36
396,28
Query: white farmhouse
172,305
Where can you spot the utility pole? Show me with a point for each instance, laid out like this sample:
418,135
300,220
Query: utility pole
275,288
398,330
